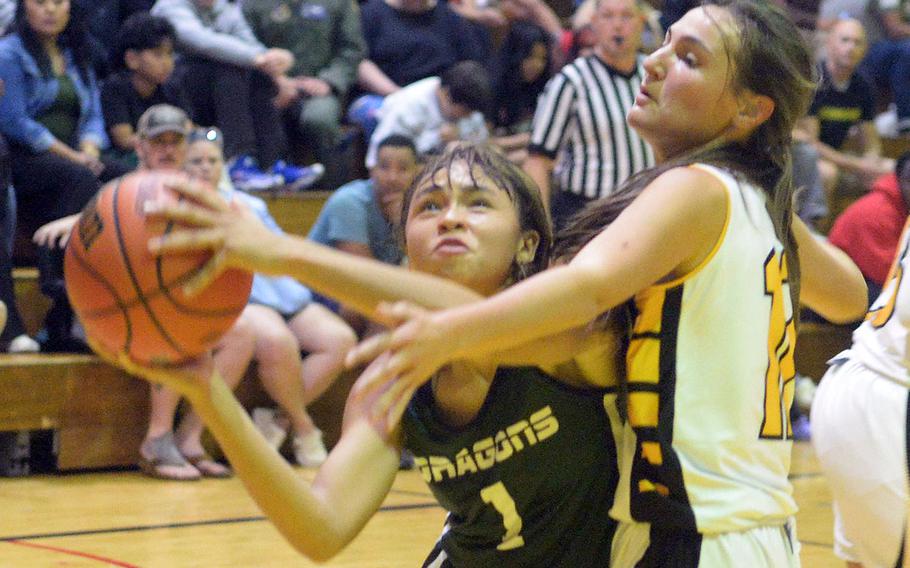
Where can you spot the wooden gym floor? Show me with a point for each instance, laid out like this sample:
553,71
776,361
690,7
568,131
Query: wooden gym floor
126,520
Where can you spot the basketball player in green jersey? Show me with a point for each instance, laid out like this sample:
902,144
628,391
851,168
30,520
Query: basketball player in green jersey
524,464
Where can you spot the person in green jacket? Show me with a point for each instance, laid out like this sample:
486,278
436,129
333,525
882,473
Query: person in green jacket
327,43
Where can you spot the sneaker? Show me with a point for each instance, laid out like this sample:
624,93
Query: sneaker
298,178
266,421
23,344
247,176
309,451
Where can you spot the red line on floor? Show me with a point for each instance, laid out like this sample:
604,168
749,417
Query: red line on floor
110,561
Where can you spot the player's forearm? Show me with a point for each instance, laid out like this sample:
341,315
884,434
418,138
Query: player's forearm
831,283
287,499
361,283
551,302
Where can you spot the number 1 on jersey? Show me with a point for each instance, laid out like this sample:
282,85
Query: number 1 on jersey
498,496
779,377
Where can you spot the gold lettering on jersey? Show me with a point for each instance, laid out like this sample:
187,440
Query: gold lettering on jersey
465,463
504,449
544,423
521,428
441,467
487,452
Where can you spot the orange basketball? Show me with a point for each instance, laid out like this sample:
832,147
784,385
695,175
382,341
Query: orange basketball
130,301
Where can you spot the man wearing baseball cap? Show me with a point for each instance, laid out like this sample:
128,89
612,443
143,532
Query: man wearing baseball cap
162,131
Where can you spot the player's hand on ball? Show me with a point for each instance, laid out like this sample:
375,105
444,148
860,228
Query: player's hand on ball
233,234
187,378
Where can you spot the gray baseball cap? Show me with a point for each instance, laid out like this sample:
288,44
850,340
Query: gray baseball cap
162,118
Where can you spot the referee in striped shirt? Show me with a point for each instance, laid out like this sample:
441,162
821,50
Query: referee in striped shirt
580,137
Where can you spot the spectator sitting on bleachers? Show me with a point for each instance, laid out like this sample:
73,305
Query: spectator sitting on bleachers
105,17
232,81
362,216
435,110
145,57
810,202
51,117
887,62
325,38
831,11
521,70
168,452
869,229
500,15
284,320
844,102
13,336
409,40
539,13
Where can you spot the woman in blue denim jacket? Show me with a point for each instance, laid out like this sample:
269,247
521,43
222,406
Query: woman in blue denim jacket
51,116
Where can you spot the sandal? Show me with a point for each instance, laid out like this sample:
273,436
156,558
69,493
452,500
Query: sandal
160,458
208,467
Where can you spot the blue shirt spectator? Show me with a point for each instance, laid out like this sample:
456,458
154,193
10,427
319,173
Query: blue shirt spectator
283,294
352,214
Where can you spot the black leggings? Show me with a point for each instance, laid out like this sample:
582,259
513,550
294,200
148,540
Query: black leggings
49,186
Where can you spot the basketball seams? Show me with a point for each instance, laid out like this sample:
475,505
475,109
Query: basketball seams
164,290
165,287
128,266
119,305
120,290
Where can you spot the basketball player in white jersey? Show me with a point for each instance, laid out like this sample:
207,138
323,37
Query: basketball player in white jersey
702,252
859,425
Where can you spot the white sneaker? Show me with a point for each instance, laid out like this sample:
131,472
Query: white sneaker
309,449
266,421
23,344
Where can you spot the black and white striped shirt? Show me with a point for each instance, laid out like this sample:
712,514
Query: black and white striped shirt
580,122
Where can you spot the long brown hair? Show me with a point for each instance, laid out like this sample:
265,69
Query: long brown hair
771,59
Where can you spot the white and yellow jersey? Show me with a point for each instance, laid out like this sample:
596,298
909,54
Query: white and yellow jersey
710,370
880,343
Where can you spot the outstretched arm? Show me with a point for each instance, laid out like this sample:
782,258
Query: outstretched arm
317,519
831,284
641,247
237,238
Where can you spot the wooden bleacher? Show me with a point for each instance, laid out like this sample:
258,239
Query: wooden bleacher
98,412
